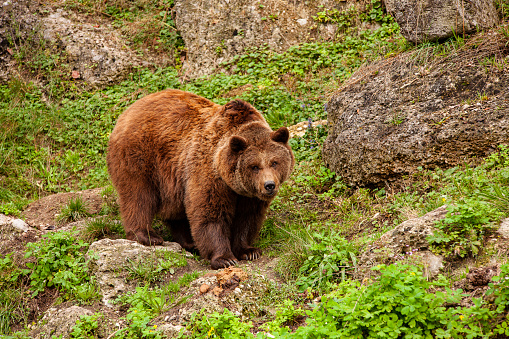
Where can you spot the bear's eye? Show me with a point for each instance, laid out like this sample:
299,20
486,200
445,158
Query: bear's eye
255,169
274,164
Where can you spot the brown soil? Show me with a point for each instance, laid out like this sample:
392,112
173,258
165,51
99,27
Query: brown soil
42,213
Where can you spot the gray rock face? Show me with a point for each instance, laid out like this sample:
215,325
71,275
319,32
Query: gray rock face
97,54
401,114
215,31
431,20
109,257
17,22
405,241
59,322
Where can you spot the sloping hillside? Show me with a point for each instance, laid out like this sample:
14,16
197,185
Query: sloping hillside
420,252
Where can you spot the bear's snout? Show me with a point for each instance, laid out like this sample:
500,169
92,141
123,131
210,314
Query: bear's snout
270,186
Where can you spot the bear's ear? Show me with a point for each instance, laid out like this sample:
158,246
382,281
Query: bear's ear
238,144
238,112
281,135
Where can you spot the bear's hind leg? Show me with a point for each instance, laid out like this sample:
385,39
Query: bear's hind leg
138,208
181,233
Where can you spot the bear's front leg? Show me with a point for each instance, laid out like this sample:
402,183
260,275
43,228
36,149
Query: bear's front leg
248,220
210,217
216,246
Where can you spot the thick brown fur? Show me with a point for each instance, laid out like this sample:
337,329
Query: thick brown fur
209,171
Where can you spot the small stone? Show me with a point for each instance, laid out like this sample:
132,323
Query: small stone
204,288
465,106
302,22
237,290
299,128
20,225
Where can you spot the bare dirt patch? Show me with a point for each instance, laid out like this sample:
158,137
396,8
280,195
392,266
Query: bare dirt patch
42,213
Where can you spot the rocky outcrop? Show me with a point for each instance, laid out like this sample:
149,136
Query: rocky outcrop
413,111
96,53
407,240
215,31
58,323
425,20
93,54
16,225
109,256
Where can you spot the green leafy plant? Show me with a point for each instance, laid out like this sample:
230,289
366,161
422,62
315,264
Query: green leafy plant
146,303
217,325
499,289
398,304
463,228
330,258
86,326
342,19
58,260
286,315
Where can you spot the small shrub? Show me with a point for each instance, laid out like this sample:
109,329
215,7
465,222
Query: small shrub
461,231
330,259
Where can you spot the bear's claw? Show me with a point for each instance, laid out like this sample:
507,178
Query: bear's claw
252,254
223,263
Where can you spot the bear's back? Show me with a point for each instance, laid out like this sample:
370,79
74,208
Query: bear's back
163,114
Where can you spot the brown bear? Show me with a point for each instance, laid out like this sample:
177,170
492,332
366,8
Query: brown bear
209,171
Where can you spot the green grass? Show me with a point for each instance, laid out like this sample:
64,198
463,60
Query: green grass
75,209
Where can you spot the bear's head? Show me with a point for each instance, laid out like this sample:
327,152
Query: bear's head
255,161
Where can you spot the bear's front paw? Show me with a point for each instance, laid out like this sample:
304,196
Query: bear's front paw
251,253
223,262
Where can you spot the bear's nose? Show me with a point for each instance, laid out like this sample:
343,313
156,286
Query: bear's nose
270,186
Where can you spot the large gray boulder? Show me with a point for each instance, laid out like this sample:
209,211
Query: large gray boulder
402,114
431,20
215,31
